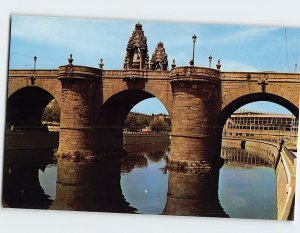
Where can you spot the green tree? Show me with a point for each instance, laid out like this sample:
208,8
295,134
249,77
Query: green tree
51,114
159,126
131,122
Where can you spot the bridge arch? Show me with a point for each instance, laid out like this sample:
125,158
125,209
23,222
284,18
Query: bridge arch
25,106
112,115
235,104
53,87
231,107
159,88
116,108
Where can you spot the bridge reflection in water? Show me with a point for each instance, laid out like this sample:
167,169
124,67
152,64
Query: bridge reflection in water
139,183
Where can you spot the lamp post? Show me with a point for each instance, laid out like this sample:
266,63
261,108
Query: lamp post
34,59
209,61
192,62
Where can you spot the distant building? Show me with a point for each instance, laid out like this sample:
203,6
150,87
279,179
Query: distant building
264,126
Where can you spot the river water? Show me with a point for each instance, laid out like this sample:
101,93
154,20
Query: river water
141,184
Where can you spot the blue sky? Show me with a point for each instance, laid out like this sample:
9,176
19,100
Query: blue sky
240,48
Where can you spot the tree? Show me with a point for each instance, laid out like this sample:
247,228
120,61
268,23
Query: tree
51,114
131,122
159,126
137,121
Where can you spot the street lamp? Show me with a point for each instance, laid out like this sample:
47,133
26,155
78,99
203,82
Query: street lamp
209,61
34,59
192,62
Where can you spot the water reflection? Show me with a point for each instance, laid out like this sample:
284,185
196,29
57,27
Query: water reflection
194,195
22,189
248,192
90,187
242,158
145,186
140,184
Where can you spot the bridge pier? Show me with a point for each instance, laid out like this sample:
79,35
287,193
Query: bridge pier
80,96
196,103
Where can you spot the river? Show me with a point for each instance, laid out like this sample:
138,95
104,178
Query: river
140,184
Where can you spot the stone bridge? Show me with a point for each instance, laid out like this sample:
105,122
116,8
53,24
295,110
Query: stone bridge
95,102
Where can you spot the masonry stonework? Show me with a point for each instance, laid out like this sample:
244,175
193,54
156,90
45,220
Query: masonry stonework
80,89
193,104
95,102
197,96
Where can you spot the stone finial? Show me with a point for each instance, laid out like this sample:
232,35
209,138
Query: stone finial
173,64
70,59
159,60
137,50
101,64
218,65
138,26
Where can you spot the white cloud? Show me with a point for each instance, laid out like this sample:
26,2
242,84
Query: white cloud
242,35
71,33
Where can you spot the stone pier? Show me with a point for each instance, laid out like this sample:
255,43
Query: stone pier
197,101
80,94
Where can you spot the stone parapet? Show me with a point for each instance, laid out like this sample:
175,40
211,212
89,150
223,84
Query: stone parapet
191,73
79,72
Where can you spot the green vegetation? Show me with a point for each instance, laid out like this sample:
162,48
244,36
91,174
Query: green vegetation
137,121
159,125
51,114
134,122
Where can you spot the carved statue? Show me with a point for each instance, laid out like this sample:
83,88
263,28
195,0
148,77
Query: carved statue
137,50
159,60
136,55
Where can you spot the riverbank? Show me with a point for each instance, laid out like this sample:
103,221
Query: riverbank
19,140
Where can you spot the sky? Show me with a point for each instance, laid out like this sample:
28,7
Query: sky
240,48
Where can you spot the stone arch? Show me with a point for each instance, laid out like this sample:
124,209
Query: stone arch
50,88
111,118
160,89
287,96
253,97
235,104
26,105
123,101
